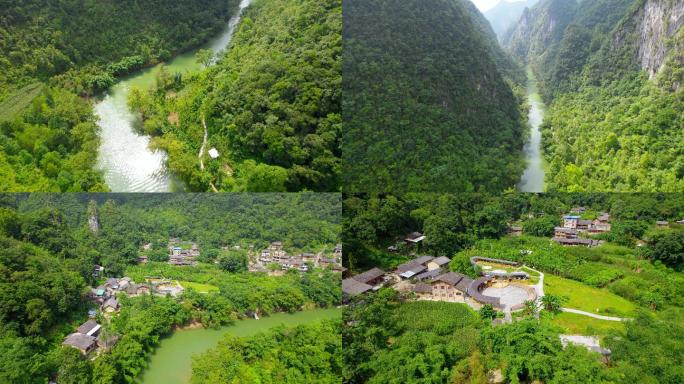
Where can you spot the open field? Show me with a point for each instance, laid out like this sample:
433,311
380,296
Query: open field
586,298
585,325
201,288
18,101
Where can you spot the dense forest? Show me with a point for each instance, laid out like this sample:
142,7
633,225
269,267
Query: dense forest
50,249
270,106
53,53
611,72
428,103
390,337
305,354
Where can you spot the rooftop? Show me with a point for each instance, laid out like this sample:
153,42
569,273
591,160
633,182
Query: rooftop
354,287
369,275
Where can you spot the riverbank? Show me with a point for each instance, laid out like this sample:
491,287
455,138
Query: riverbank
171,363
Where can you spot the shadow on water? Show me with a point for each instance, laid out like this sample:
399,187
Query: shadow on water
532,179
125,156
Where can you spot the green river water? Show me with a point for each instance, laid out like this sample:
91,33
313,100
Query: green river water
172,361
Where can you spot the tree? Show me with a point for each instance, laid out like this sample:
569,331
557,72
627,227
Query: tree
552,303
487,312
541,227
668,248
73,367
205,56
233,262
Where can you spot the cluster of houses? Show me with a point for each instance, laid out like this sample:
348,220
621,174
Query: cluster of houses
179,255
574,225
423,268
276,254
89,338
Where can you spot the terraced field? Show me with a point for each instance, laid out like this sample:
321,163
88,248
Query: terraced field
18,101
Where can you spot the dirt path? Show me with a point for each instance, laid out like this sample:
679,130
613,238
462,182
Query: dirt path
204,145
609,318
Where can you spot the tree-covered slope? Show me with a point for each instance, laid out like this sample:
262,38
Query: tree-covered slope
613,80
425,106
271,105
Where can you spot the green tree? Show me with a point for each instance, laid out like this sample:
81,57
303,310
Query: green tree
205,56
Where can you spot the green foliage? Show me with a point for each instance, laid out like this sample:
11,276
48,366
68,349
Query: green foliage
487,312
304,354
541,227
234,262
668,248
426,106
553,303
271,104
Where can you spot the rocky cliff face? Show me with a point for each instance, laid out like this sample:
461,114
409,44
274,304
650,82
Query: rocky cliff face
658,22
539,28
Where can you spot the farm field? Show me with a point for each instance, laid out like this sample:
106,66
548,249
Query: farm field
18,101
201,288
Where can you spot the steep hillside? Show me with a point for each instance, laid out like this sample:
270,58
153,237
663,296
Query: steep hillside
505,14
613,82
425,105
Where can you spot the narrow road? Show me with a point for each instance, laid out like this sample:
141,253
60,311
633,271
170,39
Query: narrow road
204,145
609,318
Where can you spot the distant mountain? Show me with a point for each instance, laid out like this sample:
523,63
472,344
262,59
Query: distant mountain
505,14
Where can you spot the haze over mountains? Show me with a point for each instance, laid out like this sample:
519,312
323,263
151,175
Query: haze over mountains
505,14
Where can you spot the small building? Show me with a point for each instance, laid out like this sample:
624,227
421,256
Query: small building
111,305
583,225
565,233
338,251
451,287
352,287
578,210
414,238
662,224
325,262
82,342
601,224
515,231
429,275
308,257
372,277
577,242
570,221
98,270
142,259
423,290
438,263
90,328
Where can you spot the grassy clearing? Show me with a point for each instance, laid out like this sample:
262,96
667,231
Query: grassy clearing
199,287
584,325
19,100
534,275
586,298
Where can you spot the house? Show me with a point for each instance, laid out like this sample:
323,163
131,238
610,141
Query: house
414,238
413,267
578,210
577,242
112,284
111,305
90,328
570,221
423,291
438,263
583,225
338,251
352,287
97,270
565,233
429,275
82,342
601,224
142,259
308,257
515,231
324,262
662,224
372,277
451,286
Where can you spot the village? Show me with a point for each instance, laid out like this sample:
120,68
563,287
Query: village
92,339
506,286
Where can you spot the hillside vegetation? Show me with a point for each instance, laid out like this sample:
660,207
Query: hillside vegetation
426,106
611,72
52,52
271,105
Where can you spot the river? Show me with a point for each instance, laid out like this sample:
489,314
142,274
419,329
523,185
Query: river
124,156
171,363
533,178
